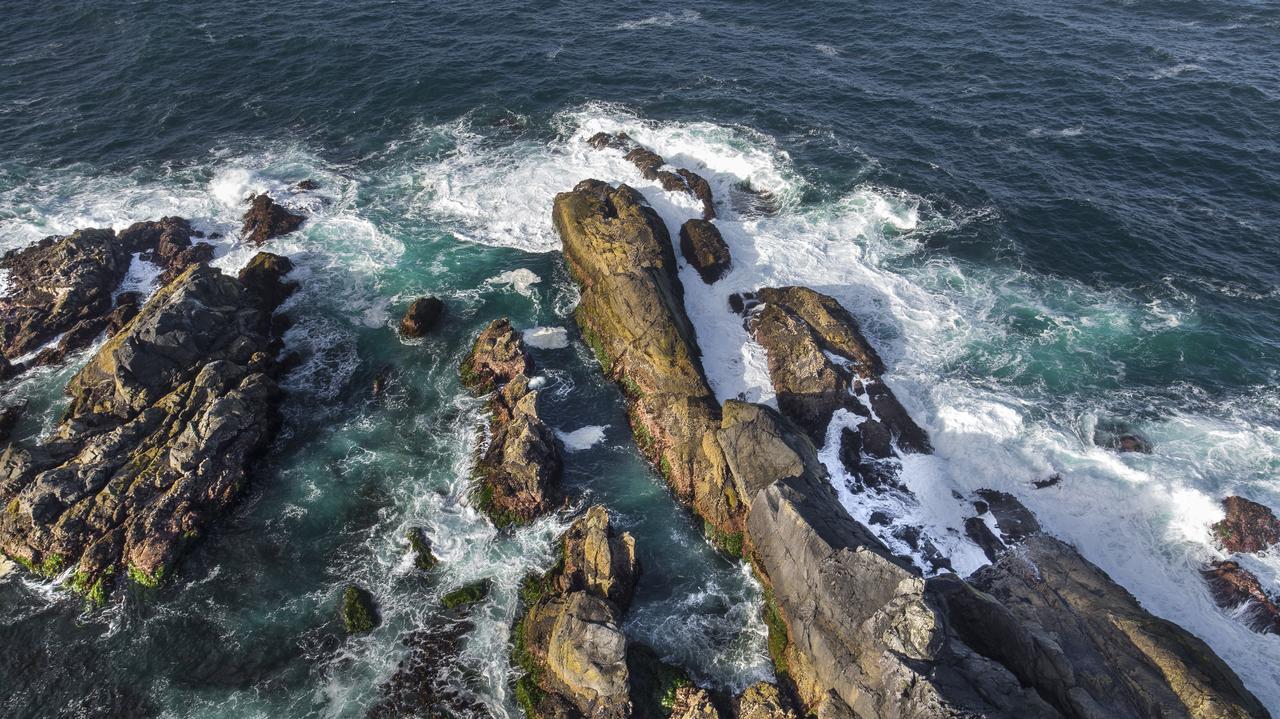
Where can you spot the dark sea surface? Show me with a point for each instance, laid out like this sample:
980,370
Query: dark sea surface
1050,217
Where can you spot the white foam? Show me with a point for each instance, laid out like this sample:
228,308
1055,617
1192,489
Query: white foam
665,19
546,338
582,438
521,281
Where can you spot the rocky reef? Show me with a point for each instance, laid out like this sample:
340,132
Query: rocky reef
1248,527
161,432
266,219
854,630
519,467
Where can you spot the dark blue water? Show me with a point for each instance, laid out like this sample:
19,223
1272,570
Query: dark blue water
1050,215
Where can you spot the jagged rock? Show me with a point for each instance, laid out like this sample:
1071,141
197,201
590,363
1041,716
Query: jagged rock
306,185
1248,526
762,700
1233,586
162,425
693,703
704,249
632,315
264,276
421,317
127,306
56,285
601,140
423,558
570,642
698,186
671,182
358,611
425,681
980,534
1015,521
598,560
1086,644
265,219
1047,482
647,161
522,464
168,245
496,358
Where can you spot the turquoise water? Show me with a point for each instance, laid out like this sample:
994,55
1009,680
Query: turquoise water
1046,216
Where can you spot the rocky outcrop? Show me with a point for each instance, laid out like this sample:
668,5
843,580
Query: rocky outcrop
854,631
168,244
9,417
763,700
57,285
521,464
651,166
704,249
693,703
570,643
265,219
1248,526
421,317
420,547
429,681
264,277
1234,587
161,430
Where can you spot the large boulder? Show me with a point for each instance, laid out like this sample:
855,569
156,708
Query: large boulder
163,424
1235,587
265,219
422,316
569,643
1248,526
521,464
704,249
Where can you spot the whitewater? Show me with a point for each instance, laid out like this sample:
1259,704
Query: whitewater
1005,402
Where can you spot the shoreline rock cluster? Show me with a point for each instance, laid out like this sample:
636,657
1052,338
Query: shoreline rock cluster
1247,528
856,631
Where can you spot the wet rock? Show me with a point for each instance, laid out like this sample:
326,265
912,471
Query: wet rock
358,611
421,317
167,243
655,685
690,702
570,643
704,249
647,161
127,306
496,358
467,594
430,681
599,560
58,284
1016,522
420,546
1234,586
698,186
162,426
763,700
601,140
264,277
748,201
306,185
671,182
9,417
1120,437
265,219
978,531
1051,481
1248,526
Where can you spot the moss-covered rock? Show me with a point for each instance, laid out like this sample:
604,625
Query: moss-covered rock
467,594
420,546
358,611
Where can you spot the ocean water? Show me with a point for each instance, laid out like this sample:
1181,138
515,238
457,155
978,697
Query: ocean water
1049,217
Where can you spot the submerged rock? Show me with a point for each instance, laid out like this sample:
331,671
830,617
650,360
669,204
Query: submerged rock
306,185
570,643
265,219
420,546
429,681
155,444
1234,586
1248,526
421,317
704,249
358,611
1120,437
467,594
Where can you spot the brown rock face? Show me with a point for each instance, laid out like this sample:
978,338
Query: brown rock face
518,470
496,358
265,219
704,249
1233,585
421,317
762,700
693,703
650,165
264,277
1248,526
698,186
162,425
570,640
